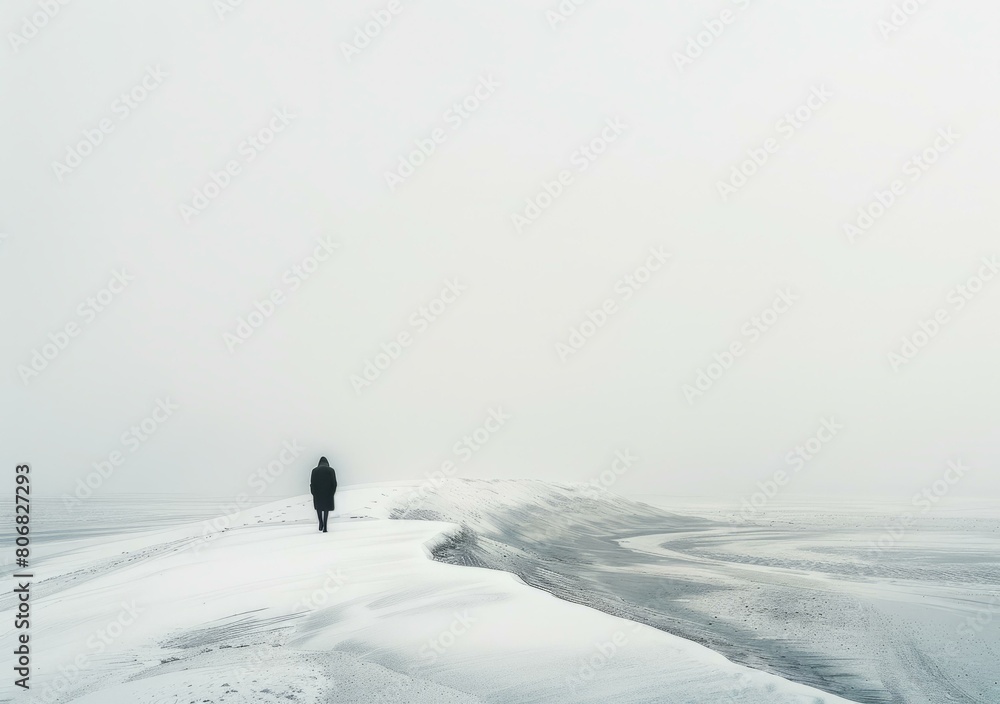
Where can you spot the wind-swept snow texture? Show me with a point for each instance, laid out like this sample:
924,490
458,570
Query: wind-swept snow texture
261,608
806,598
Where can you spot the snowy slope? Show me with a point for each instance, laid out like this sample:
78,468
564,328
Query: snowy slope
266,609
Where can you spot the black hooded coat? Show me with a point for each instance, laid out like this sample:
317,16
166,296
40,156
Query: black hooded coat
323,485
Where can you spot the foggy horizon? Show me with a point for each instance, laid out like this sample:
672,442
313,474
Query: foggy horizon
492,198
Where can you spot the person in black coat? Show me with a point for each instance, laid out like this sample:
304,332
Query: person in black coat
323,485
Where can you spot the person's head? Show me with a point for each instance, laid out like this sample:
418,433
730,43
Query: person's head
323,462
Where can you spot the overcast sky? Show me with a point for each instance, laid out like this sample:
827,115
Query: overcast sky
635,127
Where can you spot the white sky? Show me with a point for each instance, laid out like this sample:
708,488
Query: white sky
656,185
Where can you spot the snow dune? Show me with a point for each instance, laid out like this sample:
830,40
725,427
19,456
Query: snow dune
263,608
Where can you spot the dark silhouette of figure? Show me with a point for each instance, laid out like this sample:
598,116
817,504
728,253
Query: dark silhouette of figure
323,485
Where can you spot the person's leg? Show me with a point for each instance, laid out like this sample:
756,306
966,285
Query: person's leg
319,515
326,515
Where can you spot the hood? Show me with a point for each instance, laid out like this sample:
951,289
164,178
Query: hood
323,462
